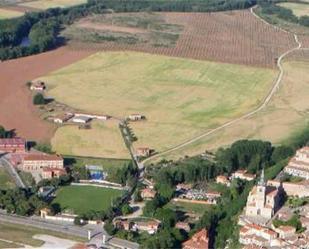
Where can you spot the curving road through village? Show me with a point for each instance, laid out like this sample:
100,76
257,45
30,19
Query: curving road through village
267,99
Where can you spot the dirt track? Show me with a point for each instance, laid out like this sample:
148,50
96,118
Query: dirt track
16,109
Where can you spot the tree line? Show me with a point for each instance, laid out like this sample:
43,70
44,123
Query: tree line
270,8
43,27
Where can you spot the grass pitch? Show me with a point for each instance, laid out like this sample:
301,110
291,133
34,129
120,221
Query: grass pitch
82,199
299,9
47,4
7,14
103,140
180,98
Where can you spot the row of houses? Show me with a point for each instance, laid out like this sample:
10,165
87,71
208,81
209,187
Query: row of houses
299,164
283,237
238,174
150,226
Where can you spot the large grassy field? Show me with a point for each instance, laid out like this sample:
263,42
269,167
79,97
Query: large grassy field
7,14
47,4
82,199
103,140
287,113
180,98
5,180
299,9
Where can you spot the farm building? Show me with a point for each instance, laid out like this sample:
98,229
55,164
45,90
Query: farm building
13,145
93,116
243,175
223,180
38,86
183,226
63,118
81,119
148,193
49,173
143,152
37,162
136,117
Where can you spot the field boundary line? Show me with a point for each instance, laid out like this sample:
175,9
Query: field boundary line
267,99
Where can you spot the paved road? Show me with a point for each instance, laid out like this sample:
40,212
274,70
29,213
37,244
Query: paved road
13,173
247,115
68,229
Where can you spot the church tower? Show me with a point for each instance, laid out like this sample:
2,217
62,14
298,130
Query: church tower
261,192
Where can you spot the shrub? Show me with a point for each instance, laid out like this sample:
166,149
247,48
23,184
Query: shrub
38,99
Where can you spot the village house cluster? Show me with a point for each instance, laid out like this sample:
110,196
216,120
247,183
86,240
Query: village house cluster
238,174
299,164
151,226
265,204
41,165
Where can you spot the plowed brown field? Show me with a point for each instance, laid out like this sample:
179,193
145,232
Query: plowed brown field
230,37
16,108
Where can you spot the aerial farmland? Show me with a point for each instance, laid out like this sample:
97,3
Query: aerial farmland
154,124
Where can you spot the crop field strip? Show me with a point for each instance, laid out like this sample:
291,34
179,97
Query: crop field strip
231,37
46,4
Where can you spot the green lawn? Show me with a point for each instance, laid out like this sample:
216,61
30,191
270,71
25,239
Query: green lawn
24,234
7,245
180,98
197,209
82,199
5,180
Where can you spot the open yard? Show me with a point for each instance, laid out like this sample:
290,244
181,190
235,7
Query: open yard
197,209
230,37
179,97
103,140
5,180
82,199
287,113
299,9
7,13
47,4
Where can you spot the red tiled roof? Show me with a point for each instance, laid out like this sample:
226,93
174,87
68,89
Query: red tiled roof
198,240
54,170
40,157
12,141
